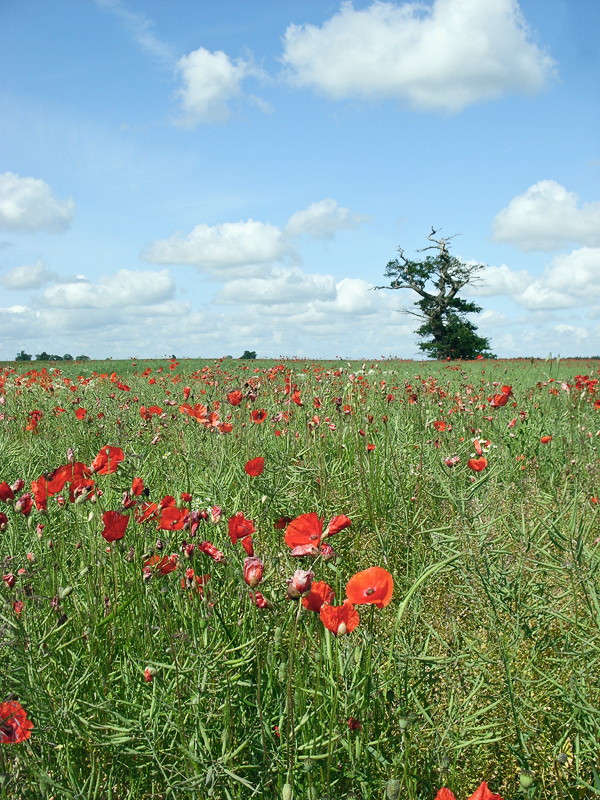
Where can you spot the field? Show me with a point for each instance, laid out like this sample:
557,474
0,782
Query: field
152,665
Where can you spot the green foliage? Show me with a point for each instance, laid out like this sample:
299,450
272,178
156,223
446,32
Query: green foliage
82,358
23,356
248,354
67,357
443,312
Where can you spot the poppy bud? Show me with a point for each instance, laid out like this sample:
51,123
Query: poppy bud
160,545
277,639
282,672
216,513
253,571
9,580
300,583
18,485
149,674
62,593
287,793
526,779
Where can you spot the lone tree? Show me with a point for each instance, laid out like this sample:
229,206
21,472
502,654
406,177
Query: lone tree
438,279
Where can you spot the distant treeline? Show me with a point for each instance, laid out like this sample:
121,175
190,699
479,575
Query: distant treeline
23,356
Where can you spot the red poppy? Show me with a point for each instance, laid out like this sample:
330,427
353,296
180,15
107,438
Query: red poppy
168,500
259,415
234,398
186,392
477,446
282,523
255,466
320,593
6,493
239,527
295,398
253,571
248,545
24,504
39,489
499,400
477,464
439,425
373,585
55,481
149,511
107,460
299,583
186,497
9,580
507,390
3,521
173,518
114,525
481,793
210,550
370,447
14,725
137,487
260,601
81,487
80,413
304,530
340,620
164,565
545,439
336,524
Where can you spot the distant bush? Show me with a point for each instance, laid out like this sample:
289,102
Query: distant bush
249,355
82,358
23,356
48,357
67,357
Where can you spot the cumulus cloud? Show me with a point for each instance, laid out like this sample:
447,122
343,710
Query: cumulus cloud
322,220
29,276
282,286
123,289
441,57
28,204
210,81
547,217
219,248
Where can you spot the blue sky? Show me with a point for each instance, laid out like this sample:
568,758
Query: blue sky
202,178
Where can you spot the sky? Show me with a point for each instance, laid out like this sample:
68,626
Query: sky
200,178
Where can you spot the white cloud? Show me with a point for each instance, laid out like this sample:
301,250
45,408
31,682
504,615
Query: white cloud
576,273
547,217
29,276
210,81
322,219
282,286
441,57
220,248
140,27
123,289
501,281
28,204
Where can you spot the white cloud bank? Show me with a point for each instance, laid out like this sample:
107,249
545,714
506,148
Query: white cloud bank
28,204
222,250
210,81
29,276
124,288
441,57
547,217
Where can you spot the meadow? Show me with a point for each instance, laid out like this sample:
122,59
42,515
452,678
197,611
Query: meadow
239,579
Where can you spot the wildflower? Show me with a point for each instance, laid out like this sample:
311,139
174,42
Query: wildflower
299,584
482,793
107,460
499,400
439,425
149,674
234,398
114,525
477,464
6,493
24,504
259,601
370,447
253,571
3,522
239,527
340,620
320,593
335,525
255,466
80,413
9,580
545,439
18,606
451,461
373,585
14,725
210,550
164,565
137,487
354,724
259,415
173,518
281,523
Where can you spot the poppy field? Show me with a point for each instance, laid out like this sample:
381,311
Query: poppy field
298,579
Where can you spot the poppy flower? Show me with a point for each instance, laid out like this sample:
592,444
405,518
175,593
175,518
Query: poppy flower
173,518
186,497
320,592
239,527
499,400
259,415
248,545
39,489
234,398
304,530
81,488
295,398
299,583
340,620
545,439
439,425
56,480
107,460
14,725
210,550
80,413
259,601
336,524
281,523
164,564
114,525
477,464
24,504
137,487
373,585
186,392
167,501
481,793
477,446
255,466
3,522
149,511
9,580
6,493
370,447
253,571
225,427
507,390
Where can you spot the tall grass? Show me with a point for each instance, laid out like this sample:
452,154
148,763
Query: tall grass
484,665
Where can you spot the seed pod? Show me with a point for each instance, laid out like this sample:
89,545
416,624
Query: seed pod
526,779
282,671
277,637
62,593
357,654
287,793
392,789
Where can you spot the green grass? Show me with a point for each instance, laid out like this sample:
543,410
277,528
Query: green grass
491,666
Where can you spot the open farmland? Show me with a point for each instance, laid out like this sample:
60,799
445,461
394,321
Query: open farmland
152,665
